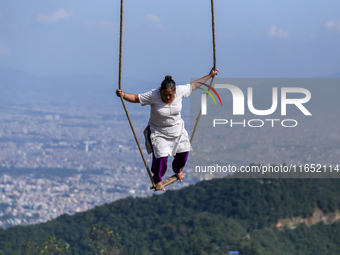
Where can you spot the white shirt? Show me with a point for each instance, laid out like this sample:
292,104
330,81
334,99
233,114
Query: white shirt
168,135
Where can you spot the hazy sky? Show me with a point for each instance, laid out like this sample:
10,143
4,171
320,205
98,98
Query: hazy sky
264,38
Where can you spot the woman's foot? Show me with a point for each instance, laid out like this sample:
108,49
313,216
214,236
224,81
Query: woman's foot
180,176
159,186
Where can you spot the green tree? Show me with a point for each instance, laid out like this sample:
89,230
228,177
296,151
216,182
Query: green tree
53,246
104,241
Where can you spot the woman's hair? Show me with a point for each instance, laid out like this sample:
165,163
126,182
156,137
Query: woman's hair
168,83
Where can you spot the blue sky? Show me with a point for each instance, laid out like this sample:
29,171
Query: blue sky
254,38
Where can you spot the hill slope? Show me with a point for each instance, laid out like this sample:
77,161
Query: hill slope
239,213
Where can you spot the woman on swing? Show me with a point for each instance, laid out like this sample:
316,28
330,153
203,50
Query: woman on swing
165,134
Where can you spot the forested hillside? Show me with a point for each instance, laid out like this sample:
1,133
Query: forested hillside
234,214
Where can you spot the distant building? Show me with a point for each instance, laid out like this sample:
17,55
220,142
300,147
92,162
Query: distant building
49,117
87,145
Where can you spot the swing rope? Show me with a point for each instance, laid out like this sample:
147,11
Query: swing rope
120,85
214,55
173,178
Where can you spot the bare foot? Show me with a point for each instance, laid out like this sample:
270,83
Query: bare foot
159,186
181,176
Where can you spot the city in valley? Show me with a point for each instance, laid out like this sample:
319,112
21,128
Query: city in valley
67,160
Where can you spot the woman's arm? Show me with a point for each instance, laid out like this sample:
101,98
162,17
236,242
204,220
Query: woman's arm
196,84
132,98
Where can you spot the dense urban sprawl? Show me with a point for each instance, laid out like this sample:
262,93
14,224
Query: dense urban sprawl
97,147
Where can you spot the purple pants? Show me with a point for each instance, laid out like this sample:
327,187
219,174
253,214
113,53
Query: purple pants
159,165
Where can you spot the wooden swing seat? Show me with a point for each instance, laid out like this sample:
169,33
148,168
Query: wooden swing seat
167,182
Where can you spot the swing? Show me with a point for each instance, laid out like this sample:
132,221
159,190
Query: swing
173,178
